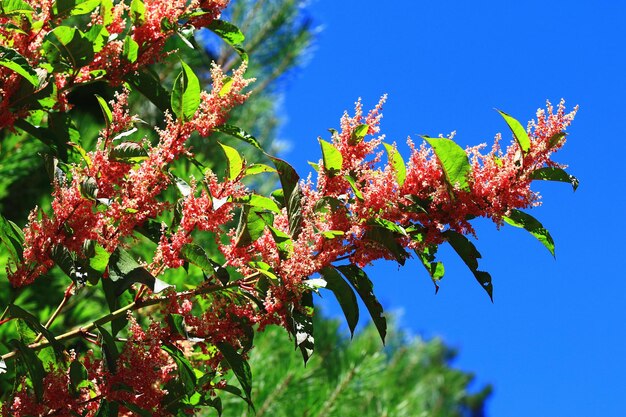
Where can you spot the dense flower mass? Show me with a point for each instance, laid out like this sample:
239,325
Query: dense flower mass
246,260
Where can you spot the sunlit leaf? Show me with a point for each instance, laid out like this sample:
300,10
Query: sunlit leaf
521,136
333,160
533,226
12,59
554,174
397,162
186,93
453,160
234,161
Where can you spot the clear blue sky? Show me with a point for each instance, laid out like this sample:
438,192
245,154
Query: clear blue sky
553,343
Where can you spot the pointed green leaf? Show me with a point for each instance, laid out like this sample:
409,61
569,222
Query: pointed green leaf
521,136
198,256
250,228
556,139
12,59
357,193
344,295
230,34
106,111
238,133
554,174
185,370
130,50
364,287
453,160
397,162
84,7
288,176
11,238
147,82
138,12
239,366
10,7
234,161
533,226
359,134
333,160
259,201
186,93
470,255
435,269
255,169
109,349
36,326
67,48
33,365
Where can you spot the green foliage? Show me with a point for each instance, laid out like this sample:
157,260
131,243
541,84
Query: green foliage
453,160
355,378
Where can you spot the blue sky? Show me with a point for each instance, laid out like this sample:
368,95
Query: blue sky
553,342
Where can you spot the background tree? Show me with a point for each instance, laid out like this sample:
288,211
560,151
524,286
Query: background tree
409,377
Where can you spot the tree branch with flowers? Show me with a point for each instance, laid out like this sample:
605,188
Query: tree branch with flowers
225,261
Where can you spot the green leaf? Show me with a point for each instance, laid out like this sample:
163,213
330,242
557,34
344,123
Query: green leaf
240,368
556,139
230,34
250,228
14,61
186,93
107,409
33,364
288,176
85,7
106,111
453,160
10,7
333,160
470,255
238,133
185,370
344,295
147,82
259,201
255,169
138,12
78,373
357,193
11,238
36,326
387,238
68,263
234,162
533,226
67,48
198,256
364,287
130,50
294,212
302,326
554,174
435,269
100,258
359,134
521,136
397,162
292,194
109,349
